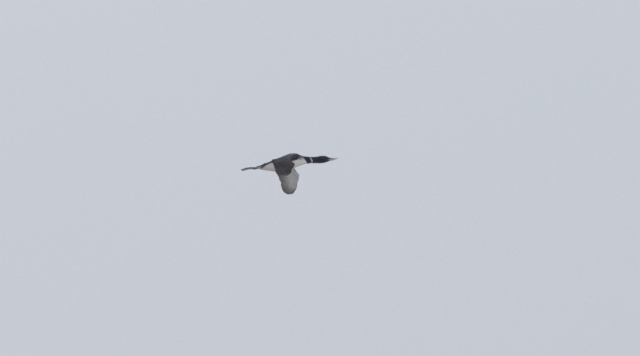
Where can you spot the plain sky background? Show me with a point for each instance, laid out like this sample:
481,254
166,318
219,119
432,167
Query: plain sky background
486,200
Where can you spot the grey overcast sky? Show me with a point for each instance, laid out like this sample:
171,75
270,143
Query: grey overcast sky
486,200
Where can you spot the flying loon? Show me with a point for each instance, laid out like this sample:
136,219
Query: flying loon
285,167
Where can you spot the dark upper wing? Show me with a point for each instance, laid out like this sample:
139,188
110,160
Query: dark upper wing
283,165
289,182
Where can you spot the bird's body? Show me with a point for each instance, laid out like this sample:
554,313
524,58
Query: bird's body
285,168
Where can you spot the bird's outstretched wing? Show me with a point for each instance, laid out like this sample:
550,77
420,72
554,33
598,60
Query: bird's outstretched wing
289,182
256,167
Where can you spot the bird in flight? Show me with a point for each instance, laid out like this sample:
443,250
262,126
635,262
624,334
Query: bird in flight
285,167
